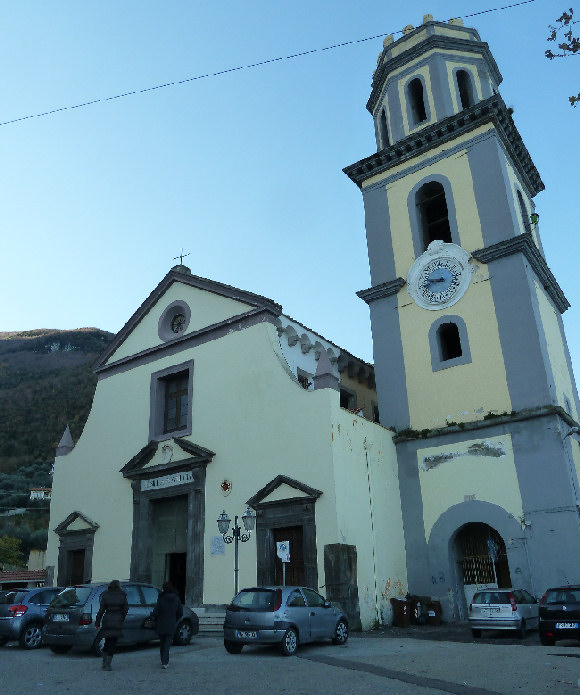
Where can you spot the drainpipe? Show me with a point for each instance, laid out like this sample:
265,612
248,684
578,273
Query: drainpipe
378,615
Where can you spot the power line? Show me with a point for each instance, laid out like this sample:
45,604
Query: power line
250,66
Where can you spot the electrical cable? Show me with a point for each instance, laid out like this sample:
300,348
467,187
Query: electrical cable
240,67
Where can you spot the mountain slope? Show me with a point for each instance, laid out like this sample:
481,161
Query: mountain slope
46,382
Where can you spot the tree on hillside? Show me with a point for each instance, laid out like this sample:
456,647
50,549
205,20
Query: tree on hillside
569,46
10,551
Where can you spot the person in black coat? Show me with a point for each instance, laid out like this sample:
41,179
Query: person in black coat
112,613
167,613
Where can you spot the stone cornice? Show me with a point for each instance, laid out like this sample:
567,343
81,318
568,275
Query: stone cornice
524,243
385,289
488,421
137,468
187,341
308,493
436,41
492,110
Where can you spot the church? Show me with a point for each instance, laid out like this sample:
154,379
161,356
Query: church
448,465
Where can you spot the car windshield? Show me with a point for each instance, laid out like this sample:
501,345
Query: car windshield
262,600
563,596
71,596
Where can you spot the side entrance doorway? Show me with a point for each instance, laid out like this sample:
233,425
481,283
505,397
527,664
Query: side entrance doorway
482,560
294,568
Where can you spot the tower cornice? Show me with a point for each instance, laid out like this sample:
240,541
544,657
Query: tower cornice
492,110
524,243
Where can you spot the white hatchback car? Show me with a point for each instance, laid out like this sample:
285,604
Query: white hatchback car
503,609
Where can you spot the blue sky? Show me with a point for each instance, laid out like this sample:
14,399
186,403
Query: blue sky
243,170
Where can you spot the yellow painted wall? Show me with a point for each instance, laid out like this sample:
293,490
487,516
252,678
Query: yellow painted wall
366,397
488,478
482,383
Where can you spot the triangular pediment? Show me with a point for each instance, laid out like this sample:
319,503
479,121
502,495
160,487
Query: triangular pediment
283,488
201,305
76,522
168,456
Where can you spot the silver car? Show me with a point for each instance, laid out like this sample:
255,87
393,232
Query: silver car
503,609
282,615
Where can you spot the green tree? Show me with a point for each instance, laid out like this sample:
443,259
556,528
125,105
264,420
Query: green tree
10,551
569,44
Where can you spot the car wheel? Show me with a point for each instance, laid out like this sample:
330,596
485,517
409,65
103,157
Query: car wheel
98,646
183,634
31,636
341,633
547,641
289,643
476,633
59,649
233,647
522,629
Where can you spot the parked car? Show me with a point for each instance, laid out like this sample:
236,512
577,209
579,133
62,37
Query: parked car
22,615
560,614
503,609
70,619
286,616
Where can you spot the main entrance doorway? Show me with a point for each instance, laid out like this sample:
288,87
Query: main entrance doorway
169,547
294,568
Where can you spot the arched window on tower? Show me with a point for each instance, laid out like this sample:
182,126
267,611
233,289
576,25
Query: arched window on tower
465,87
449,341
417,101
524,211
433,213
383,129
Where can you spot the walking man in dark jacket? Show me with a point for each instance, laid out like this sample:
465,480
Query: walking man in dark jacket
112,612
167,613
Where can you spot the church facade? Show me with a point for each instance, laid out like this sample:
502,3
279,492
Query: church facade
211,399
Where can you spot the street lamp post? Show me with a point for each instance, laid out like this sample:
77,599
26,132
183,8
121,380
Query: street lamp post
249,522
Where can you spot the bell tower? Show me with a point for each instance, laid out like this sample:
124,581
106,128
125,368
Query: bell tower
471,362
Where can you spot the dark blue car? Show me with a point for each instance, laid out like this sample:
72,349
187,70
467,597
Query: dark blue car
22,615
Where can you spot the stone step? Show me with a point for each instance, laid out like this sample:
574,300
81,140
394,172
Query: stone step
211,621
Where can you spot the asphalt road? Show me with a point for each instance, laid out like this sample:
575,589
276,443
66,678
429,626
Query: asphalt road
413,661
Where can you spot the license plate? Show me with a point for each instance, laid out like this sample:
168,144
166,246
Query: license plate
60,618
566,626
246,634
492,610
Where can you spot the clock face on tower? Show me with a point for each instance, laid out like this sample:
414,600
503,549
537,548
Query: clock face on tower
440,276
